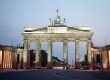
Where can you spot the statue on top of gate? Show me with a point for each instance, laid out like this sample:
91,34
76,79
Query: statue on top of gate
57,21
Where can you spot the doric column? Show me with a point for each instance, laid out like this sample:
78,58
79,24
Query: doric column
21,58
37,56
65,53
77,54
89,56
50,54
92,57
108,59
26,54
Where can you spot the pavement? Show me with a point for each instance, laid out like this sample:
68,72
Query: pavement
22,70
53,74
14,70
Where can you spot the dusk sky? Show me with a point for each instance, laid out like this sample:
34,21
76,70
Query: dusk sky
17,14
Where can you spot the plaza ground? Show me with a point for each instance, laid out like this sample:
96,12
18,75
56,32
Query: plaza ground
52,74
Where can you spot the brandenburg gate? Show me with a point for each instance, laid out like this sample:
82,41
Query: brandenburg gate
56,32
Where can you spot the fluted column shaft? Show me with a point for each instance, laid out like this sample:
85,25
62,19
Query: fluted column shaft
37,58
26,54
77,54
65,53
49,54
89,56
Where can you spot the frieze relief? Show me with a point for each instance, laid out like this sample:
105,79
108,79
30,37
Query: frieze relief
68,36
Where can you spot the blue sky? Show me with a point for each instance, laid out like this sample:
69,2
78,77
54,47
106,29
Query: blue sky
16,14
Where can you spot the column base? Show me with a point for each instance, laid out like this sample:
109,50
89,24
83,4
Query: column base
77,65
65,65
49,65
37,65
24,65
89,66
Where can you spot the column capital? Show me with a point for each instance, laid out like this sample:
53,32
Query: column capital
65,40
49,41
77,40
25,40
88,40
29,41
37,41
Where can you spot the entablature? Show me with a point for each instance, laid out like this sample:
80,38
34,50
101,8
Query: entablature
58,36
56,29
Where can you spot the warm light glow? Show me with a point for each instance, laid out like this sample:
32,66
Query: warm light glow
92,49
104,59
0,57
7,59
109,57
105,64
